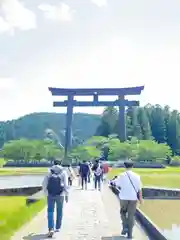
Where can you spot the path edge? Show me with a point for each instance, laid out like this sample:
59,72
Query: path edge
150,228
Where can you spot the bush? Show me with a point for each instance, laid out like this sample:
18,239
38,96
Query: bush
24,149
175,161
140,151
152,151
119,150
85,153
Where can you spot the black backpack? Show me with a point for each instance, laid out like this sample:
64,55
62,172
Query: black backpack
55,186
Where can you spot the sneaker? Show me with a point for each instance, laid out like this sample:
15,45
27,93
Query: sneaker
57,230
124,231
50,234
130,237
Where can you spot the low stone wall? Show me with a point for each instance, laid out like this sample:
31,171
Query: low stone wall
151,229
141,165
34,165
22,191
23,165
160,193
35,197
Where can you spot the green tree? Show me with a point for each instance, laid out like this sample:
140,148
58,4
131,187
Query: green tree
136,128
158,124
85,153
173,132
152,151
27,150
108,122
144,123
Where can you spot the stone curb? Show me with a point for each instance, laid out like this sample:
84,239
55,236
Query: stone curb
151,229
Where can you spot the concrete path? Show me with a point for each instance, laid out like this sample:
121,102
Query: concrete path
87,216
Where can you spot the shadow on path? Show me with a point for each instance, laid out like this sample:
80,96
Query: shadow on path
33,236
114,238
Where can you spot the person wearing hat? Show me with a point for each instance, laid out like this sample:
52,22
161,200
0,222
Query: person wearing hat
130,193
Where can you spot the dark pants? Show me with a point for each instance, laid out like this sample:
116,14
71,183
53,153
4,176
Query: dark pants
89,178
84,179
52,201
128,210
97,181
69,181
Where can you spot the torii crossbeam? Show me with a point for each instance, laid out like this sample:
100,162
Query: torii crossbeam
121,102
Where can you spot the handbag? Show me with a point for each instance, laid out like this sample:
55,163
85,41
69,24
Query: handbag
137,192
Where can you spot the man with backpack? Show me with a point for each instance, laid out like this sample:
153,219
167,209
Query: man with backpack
55,186
84,173
98,173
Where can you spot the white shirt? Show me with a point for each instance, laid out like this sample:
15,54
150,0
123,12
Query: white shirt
127,191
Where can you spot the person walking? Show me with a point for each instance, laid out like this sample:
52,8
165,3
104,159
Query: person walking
98,174
55,186
105,170
84,173
130,193
89,174
70,175
78,174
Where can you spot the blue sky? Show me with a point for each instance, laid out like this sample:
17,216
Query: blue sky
87,43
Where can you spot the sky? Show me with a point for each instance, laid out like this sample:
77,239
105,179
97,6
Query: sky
87,43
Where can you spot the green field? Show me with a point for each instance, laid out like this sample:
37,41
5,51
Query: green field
164,213
14,213
22,171
169,177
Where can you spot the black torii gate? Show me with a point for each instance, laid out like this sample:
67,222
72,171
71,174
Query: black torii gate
121,102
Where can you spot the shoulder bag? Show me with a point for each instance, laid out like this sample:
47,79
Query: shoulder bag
137,192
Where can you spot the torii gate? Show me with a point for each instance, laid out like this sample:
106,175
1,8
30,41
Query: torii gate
121,102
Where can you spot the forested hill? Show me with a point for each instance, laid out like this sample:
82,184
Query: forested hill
145,123
148,122
33,126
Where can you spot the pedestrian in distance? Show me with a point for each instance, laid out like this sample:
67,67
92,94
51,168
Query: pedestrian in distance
55,186
84,173
105,170
78,174
70,175
89,174
130,193
98,174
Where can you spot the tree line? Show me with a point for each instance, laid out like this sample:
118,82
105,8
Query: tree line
153,135
145,123
35,125
31,150
110,148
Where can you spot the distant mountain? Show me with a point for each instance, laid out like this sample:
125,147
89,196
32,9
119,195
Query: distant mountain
33,126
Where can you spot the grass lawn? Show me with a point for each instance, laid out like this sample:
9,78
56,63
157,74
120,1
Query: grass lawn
164,213
14,213
169,177
22,171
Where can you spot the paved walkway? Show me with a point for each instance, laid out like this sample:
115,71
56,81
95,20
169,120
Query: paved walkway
87,216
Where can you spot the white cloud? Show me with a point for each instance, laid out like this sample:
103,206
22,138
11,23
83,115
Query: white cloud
4,26
62,12
100,3
6,83
16,16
